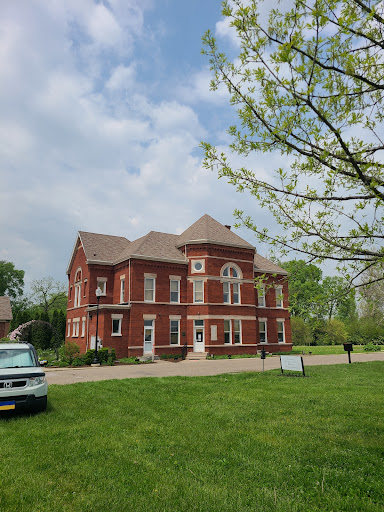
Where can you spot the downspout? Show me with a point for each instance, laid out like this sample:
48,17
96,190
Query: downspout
87,343
129,288
129,302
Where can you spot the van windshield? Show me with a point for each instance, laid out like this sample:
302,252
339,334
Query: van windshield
16,358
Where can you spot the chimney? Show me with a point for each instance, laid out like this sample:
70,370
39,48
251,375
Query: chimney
228,227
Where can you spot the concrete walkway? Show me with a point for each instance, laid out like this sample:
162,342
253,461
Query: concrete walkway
192,368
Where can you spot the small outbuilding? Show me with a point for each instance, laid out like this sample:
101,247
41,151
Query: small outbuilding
5,316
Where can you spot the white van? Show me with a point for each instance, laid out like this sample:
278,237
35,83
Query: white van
23,384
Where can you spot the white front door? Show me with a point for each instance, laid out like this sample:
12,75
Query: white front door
198,336
148,336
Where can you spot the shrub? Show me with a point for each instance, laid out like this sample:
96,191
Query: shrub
301,331
78,361
129,360
70,350
335,332
170,356
61,364
371,347
103,354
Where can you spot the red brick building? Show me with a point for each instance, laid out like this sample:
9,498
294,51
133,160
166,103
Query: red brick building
166,291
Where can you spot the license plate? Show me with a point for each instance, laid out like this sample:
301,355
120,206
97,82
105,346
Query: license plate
6,406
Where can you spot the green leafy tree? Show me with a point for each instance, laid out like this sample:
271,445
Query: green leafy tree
58,329
11,280
308,86
305,290
49,294
335,332
337,302
301,331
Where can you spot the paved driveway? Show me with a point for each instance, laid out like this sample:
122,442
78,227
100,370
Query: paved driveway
191,368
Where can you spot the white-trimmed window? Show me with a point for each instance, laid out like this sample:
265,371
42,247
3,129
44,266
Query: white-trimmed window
174,290
280,330
227,292
237,331
263,330
75,328
69,329
236,293
149,289
231,288
198,291
197,266
85,287
149,335
261,296
174,332
83,327
102,284
227,332
116,324
77,295
122,288
279,296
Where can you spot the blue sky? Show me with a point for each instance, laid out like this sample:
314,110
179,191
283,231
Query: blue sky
104,104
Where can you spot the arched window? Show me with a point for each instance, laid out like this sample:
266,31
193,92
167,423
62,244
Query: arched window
231,285
78,278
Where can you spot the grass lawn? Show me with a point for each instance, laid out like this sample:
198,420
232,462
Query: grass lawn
325,349
244,442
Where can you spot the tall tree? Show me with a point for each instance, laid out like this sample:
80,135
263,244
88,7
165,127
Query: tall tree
49,294
305,290
337,302
11,279
308,85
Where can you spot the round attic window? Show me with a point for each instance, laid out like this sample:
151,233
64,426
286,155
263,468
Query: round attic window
197,266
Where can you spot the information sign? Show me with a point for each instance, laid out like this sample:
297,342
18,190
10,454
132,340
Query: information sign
292,363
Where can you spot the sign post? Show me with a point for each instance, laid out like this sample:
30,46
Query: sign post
292,363
348,347
263,355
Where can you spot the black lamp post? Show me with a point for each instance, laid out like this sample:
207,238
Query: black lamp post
98,294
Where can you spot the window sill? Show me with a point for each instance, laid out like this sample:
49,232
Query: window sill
116,334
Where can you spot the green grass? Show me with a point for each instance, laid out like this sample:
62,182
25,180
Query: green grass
325,349
244,442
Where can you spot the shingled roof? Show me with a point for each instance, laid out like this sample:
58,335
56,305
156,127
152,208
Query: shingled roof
154,245
5,309
106,248
208,230
262,264
111,249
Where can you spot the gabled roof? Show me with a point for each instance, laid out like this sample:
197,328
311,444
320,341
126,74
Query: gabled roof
98,248
105,248
208,230
5,309
110,250
262,264
154,245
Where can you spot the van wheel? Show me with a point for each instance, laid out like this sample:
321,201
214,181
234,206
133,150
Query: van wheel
42,406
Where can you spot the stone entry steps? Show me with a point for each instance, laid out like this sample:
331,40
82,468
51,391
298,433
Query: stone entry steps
192,356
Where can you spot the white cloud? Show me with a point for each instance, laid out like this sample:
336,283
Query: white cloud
122,78
103,27
197,88
84,145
